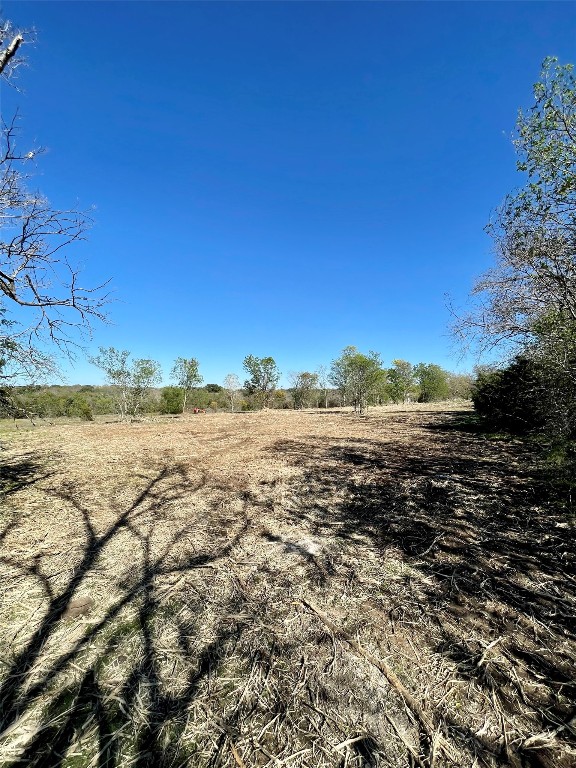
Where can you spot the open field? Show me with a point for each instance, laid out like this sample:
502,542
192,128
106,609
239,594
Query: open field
283,589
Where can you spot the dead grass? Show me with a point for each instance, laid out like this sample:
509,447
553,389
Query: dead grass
162,588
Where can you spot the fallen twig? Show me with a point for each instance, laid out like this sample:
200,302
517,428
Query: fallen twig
424,720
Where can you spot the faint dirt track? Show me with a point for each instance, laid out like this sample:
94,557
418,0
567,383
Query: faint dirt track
156,581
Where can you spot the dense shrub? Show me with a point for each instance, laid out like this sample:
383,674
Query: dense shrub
515,399
172,400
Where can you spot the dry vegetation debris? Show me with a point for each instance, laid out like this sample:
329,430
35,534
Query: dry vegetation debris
282,589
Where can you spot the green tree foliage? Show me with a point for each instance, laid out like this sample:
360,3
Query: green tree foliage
528,300
513,398
146,374
264,377
47,404
527,303
131,383
303,389
186,375
172,400
280,399
357,376
401,381
432,383
114,363
323,380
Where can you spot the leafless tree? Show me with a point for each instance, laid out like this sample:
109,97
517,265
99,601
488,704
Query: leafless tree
43,303
232,387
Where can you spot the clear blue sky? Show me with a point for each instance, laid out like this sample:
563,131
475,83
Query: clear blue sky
284,178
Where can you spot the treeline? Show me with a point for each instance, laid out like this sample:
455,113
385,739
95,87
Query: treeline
353,379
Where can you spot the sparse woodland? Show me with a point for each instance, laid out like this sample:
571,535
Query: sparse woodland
372,566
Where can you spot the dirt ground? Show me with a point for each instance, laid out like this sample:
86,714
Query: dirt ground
283,589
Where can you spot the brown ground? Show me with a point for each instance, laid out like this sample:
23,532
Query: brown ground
159,585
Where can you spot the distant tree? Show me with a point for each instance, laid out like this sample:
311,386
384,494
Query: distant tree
146,374
432,383
186,375
114,363
460,385
381,392
264,377
280,399
357,376
131,382
401,381
340,373
323,381
304,386
213,388
232,388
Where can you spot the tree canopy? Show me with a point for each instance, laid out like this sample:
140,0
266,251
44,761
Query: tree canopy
357,376
527,303
263,378
528,300
186,375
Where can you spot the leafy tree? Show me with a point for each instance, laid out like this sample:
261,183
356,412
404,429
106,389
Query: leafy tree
172,400
145,375
357,376
526,305
131,383
304,386
432,383
213,388
186,375
232,388
401,381
264,377
114,363
529,298
340,373
323,381
43,304
381,392
280,399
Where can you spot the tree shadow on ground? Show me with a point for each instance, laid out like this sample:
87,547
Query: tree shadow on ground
180,662
497,561
19,473
42,677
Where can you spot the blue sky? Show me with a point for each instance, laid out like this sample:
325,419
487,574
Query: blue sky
284,178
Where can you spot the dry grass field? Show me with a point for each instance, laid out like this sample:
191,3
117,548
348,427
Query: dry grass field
282,589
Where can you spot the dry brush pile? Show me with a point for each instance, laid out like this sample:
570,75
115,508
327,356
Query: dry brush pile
282,589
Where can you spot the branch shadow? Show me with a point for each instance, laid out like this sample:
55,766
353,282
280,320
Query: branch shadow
79,708
470,517
26,470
